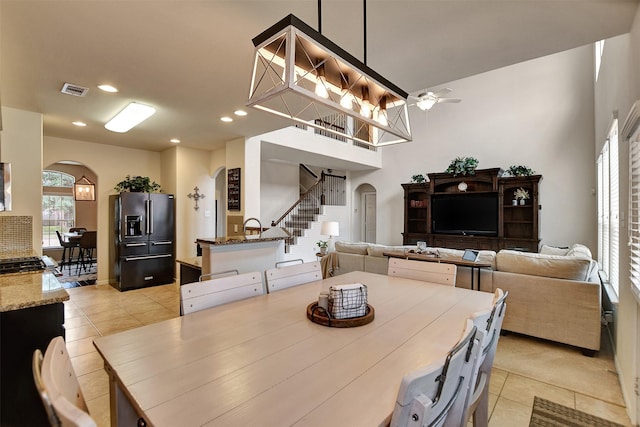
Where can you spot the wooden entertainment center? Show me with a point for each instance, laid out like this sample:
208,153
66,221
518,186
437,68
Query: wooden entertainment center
507,226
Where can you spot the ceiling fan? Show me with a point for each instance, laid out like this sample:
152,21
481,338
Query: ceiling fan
426,100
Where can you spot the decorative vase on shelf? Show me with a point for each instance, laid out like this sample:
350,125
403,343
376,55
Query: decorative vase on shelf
514,202
522,201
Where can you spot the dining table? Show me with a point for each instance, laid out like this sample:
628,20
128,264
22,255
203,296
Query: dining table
261,361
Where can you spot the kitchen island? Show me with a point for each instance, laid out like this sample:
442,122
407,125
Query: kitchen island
31,314
244,254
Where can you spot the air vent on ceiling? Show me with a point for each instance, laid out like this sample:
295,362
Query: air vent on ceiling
75,90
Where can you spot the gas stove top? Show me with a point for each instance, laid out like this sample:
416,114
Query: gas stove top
22,265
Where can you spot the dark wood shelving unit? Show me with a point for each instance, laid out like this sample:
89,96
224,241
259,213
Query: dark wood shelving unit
518,226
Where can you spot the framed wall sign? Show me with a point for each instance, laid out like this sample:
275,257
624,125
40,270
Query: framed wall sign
233,189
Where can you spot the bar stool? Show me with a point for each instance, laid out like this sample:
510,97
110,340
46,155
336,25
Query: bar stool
87,244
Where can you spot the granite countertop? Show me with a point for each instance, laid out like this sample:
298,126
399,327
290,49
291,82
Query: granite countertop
234,240
24,290
195,262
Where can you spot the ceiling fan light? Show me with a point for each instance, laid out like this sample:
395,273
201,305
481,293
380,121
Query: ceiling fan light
426,104
132,115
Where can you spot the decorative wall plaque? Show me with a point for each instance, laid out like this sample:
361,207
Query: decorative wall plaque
233,189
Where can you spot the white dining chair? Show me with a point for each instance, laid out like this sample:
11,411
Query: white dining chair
477,406
58,387
210,293
292,275
427,271
428,396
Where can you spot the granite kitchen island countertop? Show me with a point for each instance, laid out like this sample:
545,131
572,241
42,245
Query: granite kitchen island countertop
236,240
25,290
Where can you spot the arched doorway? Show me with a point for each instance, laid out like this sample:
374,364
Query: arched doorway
220,179
60,209
366,205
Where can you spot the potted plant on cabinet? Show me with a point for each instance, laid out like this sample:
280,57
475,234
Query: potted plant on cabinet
520,196
520,170
463,166
139,184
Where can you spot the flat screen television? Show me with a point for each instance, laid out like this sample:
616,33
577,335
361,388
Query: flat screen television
465,214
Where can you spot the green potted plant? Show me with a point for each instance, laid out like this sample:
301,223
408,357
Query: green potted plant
139,184
463,166
419,179
520,170
322,244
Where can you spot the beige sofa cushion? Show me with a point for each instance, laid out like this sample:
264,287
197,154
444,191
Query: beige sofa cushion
352,248
535,264
580,250
553,250
483,255
379,250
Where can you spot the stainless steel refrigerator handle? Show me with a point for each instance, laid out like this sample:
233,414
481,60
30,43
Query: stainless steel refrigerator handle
146,216
150,216
131,245
165,242
137,258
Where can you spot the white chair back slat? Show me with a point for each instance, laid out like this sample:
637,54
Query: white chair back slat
293,275
477,400
426,271
62,388
428,396
210,293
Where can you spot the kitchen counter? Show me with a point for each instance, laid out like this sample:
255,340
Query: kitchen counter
239,253
25,290
31,314
236,240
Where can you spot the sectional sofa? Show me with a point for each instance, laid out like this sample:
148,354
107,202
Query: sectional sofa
554,294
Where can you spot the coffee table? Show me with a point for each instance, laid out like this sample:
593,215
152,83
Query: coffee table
447,259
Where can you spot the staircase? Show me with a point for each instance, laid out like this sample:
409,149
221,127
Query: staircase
299,217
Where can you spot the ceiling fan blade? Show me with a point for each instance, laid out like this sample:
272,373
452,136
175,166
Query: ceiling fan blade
442,91
449,100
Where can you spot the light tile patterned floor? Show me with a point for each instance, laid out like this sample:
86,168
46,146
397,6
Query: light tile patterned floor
523,368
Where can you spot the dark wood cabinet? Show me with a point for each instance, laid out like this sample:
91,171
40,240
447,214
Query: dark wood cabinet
517,224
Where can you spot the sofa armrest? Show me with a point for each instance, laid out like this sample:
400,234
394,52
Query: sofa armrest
566,311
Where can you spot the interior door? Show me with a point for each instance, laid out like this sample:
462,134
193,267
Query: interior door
369,213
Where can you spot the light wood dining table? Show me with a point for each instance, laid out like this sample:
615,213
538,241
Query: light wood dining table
260,361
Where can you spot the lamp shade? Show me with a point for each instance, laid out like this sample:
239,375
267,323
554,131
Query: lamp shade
303,76
330,228
84,190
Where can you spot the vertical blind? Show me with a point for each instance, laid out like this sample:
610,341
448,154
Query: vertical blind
634,213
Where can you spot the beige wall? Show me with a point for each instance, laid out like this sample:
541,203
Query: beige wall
111,165
538,113
21,145
235,159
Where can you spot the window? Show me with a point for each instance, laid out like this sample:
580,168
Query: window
609,208
634,213
58,205
599,50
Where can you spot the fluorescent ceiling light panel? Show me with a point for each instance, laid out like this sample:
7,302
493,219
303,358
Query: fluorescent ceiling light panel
132,115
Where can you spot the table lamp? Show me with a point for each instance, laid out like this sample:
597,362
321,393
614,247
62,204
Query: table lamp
330,228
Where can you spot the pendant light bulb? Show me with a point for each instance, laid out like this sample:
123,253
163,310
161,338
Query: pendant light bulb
382,112
321,83
365,105
347,97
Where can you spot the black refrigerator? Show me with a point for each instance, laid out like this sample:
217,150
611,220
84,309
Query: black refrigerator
143,249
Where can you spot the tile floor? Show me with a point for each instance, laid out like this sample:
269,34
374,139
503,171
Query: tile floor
523,368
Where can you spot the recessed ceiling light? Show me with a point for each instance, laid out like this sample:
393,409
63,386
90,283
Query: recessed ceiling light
241,113
79,123
108,88
226,119
175,140
132,115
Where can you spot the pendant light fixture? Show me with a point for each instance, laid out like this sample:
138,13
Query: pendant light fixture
303,76
84,190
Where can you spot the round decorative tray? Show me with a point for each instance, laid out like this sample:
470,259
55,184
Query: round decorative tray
320,316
